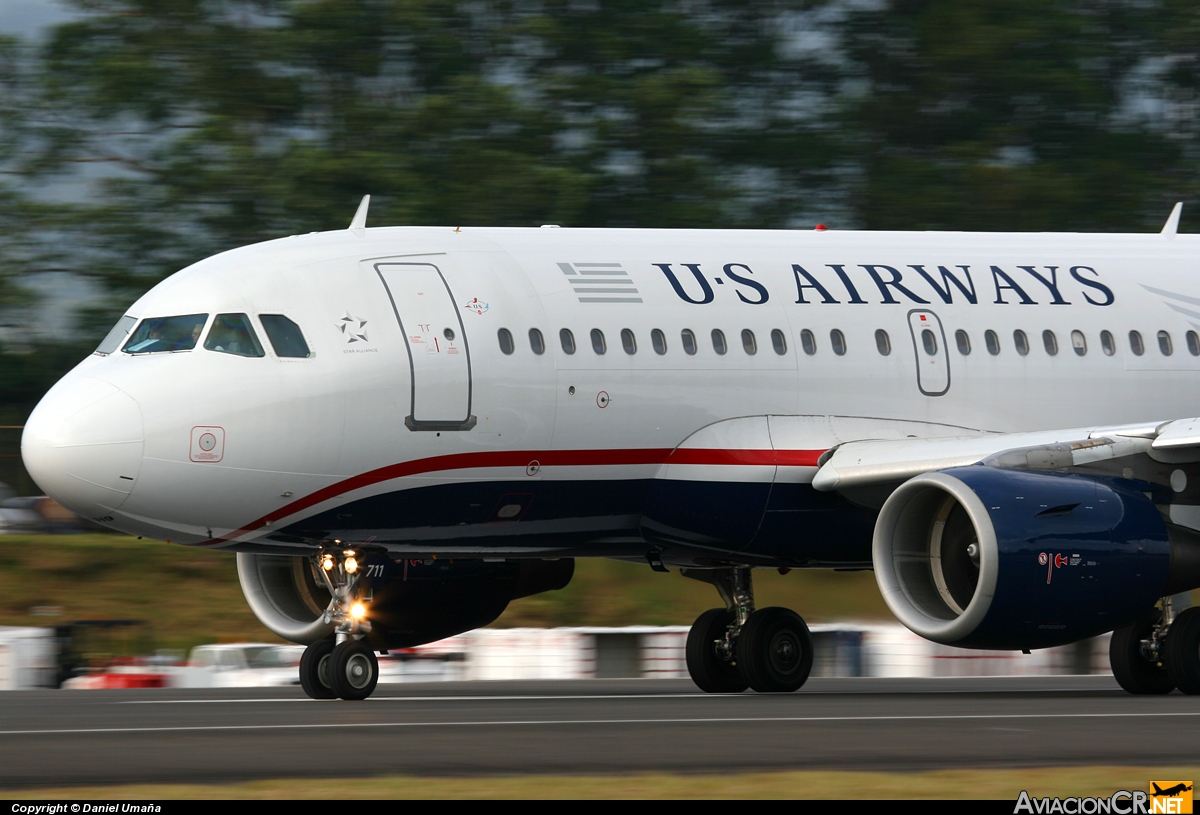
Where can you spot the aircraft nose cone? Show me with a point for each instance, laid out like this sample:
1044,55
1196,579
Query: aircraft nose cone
83,445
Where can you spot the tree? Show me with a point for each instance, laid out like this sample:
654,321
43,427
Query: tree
999,115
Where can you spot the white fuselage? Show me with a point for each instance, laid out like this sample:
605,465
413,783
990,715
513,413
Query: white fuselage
388,403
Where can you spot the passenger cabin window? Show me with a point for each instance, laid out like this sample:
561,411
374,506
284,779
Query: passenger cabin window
1050,342
158,334
808,342
883,342
779,342
1193,343
659,341
1135,343
628,341
598,343
536,343
749,344
1107,344
718,341
232,334
112,341
1164,344
285,336
963,341
992,341
567,339
1079,343
1021,342
506,340
689,341
837,341
929,341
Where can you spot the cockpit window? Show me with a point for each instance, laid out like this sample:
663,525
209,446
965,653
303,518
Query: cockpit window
157,334
114,338
285,336
232,334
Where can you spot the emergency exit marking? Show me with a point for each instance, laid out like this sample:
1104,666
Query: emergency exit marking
208,444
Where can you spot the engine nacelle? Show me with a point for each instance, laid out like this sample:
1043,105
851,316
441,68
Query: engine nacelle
412,602
980,557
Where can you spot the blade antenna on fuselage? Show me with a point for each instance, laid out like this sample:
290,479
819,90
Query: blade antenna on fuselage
1172,225
359,223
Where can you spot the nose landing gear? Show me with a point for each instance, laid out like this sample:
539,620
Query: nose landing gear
731,649
343,667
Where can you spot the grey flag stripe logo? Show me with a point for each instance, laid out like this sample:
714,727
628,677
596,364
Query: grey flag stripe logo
601,282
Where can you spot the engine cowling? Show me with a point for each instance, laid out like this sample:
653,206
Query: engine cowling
412,602
981,557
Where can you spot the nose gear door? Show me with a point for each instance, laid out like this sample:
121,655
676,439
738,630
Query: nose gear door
438,357
933,357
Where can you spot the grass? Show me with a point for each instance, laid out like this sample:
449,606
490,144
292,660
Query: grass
609,592
192,596
1061,782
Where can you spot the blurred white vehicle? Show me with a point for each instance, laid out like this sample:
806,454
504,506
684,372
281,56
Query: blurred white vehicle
240,665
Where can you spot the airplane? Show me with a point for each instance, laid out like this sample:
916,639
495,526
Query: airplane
1171,791
399,430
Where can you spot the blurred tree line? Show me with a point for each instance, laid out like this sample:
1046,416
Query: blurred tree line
143,135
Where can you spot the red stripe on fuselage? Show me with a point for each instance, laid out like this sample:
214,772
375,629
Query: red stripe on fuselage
544,458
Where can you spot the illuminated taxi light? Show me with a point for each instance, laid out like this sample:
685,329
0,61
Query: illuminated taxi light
327,564
351,565
358,611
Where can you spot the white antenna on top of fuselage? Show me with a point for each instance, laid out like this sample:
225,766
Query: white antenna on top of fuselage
1172,225
359,222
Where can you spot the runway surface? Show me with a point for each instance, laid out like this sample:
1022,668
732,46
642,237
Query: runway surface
52,738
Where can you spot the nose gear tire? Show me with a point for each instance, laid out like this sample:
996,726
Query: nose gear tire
1181,653
709,671
314,670
775,651
353,670
1131,668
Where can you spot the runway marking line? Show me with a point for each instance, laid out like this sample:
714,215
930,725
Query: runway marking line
616,697
535,722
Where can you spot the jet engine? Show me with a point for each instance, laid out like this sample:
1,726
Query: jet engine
408,602
982,557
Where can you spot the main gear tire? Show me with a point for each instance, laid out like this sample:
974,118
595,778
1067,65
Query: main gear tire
775,650
314,670
1181,652
1132,669
710,672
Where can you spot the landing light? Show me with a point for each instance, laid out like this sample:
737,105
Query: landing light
327,564
351,565
358,611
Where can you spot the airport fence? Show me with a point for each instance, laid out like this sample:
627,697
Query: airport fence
840,650
29,658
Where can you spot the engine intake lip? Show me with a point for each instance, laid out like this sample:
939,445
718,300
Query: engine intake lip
269,584
901,555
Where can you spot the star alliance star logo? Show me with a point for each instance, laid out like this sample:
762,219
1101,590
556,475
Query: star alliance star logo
354,328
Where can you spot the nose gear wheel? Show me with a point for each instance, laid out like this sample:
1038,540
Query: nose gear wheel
353,670
314,670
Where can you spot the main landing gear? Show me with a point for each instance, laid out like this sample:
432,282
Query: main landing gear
344,666
1159,652
737,647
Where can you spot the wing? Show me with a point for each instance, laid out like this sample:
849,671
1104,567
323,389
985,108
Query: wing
1164,454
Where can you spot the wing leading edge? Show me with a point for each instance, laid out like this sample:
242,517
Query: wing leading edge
1152,452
